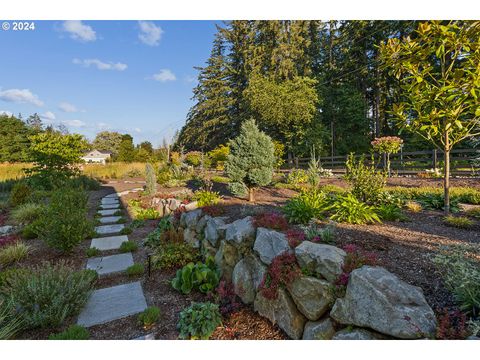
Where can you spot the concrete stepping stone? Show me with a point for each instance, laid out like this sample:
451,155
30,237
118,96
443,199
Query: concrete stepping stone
108,212
109,201
106,265
109,229
113,196
113,303
109,206
109,242
109,219
146,337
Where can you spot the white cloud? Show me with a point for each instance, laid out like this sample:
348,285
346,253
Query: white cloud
79,31
74,123
67,107
138,130
20,96
6,112
164,75
48,116
150,34
100,65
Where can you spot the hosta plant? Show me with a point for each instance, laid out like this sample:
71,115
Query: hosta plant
200,276
347,208
199,321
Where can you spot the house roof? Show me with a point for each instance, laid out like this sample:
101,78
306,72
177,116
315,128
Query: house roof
97,154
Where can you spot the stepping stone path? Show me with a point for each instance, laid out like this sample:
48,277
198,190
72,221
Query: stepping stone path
116,302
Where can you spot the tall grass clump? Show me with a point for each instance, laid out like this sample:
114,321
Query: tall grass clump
114,170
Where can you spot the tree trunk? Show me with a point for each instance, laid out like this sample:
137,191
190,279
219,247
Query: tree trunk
446,181
251,195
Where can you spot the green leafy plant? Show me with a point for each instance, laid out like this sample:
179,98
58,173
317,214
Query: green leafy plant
128,246
19,194
126,231
73,332
315,233
297,177
135,270
413,206
10,321
474,213
91,252
149,316
347,208
146,214
387,145
390,212
306,206
173,255
367,183
200,276
458,222
12,253
48,294
206,198
436,202
199,321
26,213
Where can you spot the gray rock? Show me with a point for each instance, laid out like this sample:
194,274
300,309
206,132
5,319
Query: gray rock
281,311
189,219
269,244
207,249
240,231
109,219
247,276
318,330
354,334
191,206
215,230
312,296
379,300
190,237
226,258
6,229
201,224
173,204
324,260
106,265
113,303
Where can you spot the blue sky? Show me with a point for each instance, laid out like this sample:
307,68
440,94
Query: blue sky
126,76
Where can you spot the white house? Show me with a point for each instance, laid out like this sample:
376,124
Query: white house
97,156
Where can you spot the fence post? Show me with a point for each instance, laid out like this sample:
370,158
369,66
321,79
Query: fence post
296,162
434,160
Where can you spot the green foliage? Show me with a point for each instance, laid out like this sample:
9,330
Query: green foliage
437,202
10,322
199,276
73,332
206,198
296,177
29,232
149,316
474,213
199,321
461,275
219,156
49,294
390,212
308,205
251,159
13,139
278,152
26,213
413,206
126,231
367,183
107,141
126,150
458,194
63,223
135,270
128,246
458,222
19,194
347,208
174,255
91,252
13,253
151,180
193,158
315,233
220,179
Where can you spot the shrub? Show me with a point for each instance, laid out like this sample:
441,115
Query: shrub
135,270
387,145
73,332
193,158
174,255
251,160
19,194
452,325
213,211
199,276
297,177
413,206
227,299
149,316
461,276
206,198
271,220
26,213
91,252
128,246
220,179
151,180
347,208
199,321
218,156
49,294
282,272
474,213
458,222
10,254
295,237
390,213
10,322
367,183
306,206
146,214
63,224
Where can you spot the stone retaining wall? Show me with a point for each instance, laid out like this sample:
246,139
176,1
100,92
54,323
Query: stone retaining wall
376,305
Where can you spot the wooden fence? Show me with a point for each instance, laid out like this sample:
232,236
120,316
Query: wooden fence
463,162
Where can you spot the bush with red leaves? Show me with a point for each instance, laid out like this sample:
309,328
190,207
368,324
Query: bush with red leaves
356,258
8,239
295,237
227,299
452,325
282,271
213,210
271,220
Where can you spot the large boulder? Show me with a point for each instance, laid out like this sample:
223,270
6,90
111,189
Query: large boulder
191,206
354,334
215,230
312,296
189,219
6,229
318,330
379,300
282,311
247,276
324,260
240,231
174,204
269,244
201,224
207,249
226,258
190,237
